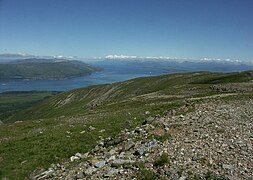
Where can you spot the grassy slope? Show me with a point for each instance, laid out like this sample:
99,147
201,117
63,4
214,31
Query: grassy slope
45,70
12,102
59,134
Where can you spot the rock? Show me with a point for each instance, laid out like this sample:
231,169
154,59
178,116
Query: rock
138,130
182,178
147,146
90,171
79,155
148,120
111,172
44,175
119,162
115,141
147,112
181,116
227,166
195,149
73,158
102,130
112,158
128,145
93,162
100,164
249,145
80,175
91,128
171,173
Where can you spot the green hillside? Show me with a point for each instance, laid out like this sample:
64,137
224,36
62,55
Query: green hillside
44,69
12,102
59,127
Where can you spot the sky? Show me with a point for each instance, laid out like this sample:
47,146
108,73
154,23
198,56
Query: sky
93,28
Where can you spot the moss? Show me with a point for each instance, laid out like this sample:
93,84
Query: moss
162,160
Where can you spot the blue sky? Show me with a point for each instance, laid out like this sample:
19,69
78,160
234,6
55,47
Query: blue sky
88,28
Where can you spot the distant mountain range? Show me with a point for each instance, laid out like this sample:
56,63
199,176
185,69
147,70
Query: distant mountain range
7,57
44,69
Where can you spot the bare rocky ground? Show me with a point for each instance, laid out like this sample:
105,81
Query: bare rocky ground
211,139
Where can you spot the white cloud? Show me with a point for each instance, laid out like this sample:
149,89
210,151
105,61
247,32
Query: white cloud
120,57
136,57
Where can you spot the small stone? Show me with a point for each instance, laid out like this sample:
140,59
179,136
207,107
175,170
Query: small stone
91,128
111,172
80,175
79,155
73,158
93,161
182,178
102,130
141,150
112,158
100,164
148,120
128,145
181,116
119,162
147,112
90,171
227,166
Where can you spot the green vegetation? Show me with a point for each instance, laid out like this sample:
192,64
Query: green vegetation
58,127
45,70
227,78
12,102
162,160
146,174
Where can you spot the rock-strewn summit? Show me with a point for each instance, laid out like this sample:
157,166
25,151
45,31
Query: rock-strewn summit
212,139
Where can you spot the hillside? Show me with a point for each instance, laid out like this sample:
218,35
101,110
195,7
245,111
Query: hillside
12,102
44,69
200,106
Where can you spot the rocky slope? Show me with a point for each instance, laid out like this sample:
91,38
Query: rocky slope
211,139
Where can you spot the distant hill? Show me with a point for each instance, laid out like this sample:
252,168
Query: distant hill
44,69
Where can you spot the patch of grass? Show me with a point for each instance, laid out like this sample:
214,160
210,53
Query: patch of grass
12,102
146,174
227,78
162,160
162,138
212,176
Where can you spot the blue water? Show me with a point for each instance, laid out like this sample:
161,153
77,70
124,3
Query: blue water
115,72
108,75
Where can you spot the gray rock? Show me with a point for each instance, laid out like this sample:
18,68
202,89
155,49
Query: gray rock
91,128
128,145
79,155
148,120
73,158
119,162
182,178
227,166
90,171
114,141
100,164
80,175
145,147
44,175
111,172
